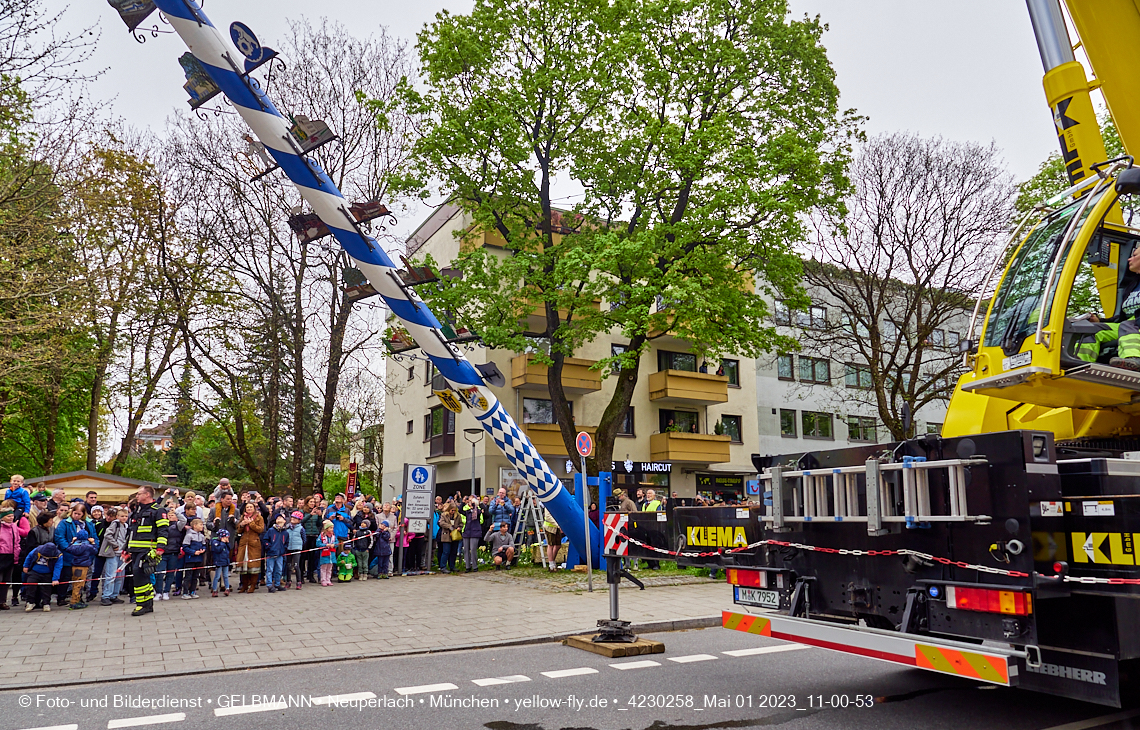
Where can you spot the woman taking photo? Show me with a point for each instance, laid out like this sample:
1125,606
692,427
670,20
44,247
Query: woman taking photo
313,523
248,562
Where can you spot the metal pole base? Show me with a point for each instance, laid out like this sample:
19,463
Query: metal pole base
611,631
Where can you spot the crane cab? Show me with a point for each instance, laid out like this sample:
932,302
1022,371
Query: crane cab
1040,358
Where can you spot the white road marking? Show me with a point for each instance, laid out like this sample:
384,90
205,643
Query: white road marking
342,699
246,709
442,687
691,658
55,727
148,720
766,650
492,681
1097,721
643,664
558,674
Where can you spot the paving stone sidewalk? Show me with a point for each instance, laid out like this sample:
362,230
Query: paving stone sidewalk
371,618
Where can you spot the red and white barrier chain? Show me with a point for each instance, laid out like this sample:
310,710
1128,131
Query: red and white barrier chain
871,553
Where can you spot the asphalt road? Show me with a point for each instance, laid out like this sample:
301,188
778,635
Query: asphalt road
696,684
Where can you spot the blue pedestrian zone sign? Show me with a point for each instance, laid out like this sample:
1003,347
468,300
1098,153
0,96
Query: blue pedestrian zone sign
420,475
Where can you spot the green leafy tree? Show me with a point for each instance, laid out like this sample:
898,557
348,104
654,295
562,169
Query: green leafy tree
700,130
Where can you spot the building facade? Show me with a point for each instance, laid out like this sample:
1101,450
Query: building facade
692,425
822,397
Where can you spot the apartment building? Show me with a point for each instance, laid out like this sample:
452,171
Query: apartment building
691,428
811,399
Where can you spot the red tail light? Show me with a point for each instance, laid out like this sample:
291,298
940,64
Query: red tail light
988,600
747,578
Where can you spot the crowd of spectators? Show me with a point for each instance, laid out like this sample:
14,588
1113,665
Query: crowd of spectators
70,548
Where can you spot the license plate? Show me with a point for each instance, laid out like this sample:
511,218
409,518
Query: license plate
1019,360
757,597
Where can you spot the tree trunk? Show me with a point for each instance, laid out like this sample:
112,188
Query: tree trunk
93,420
332,382
136,417
51,421
299,389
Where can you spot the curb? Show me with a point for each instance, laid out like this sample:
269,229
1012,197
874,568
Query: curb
685,624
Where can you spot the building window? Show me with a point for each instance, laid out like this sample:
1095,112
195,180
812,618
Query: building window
814,318
538,410
667,360
785,367
731,368
815,370
432,374
937,338
861,428
412,373
952,339
410,427
816,425
679,422
856,327
439,430
730,425
935,428
857,376
889,330
616,350
782,313
787,423
626,427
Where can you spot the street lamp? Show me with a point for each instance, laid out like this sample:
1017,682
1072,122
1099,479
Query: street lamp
474,435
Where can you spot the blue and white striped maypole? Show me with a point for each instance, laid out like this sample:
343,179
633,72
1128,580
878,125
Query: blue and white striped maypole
220,59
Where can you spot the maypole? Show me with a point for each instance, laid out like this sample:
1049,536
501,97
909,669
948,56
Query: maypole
217,64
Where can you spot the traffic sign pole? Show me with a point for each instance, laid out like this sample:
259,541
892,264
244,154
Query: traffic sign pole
585,446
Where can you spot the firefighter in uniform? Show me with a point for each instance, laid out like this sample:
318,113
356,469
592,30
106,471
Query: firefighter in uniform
146,541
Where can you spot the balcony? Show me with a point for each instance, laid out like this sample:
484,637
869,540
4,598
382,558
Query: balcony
547,437
682,387
577,377
698,448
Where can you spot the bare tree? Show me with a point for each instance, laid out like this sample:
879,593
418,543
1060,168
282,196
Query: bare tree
907,260
290,327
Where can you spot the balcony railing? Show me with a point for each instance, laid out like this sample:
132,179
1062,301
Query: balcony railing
691,447
577,377
681,386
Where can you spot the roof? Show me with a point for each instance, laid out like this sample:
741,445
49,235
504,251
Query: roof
163,429
84,474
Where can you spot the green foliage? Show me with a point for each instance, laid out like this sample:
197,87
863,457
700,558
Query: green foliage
210,456
146,465
700,130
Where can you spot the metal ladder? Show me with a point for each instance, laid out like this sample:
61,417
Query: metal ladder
531,511
833,494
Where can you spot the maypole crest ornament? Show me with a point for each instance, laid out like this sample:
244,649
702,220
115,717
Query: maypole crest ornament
248,45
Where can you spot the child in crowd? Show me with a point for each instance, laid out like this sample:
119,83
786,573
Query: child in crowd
194,553
114,542
383,549
82,551
12,534
220,551
326,542
42,568
346,564
276,545
363,537
296,543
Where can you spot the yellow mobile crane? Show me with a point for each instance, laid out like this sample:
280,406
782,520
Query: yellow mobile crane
1034,358
1006,549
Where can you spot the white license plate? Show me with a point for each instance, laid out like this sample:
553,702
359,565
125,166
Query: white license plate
1019,360
757,597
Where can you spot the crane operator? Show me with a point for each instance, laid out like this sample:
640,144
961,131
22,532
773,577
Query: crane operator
1123,329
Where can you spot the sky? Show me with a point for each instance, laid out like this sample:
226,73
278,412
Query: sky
967,70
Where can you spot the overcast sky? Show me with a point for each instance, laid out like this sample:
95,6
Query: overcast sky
966,70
